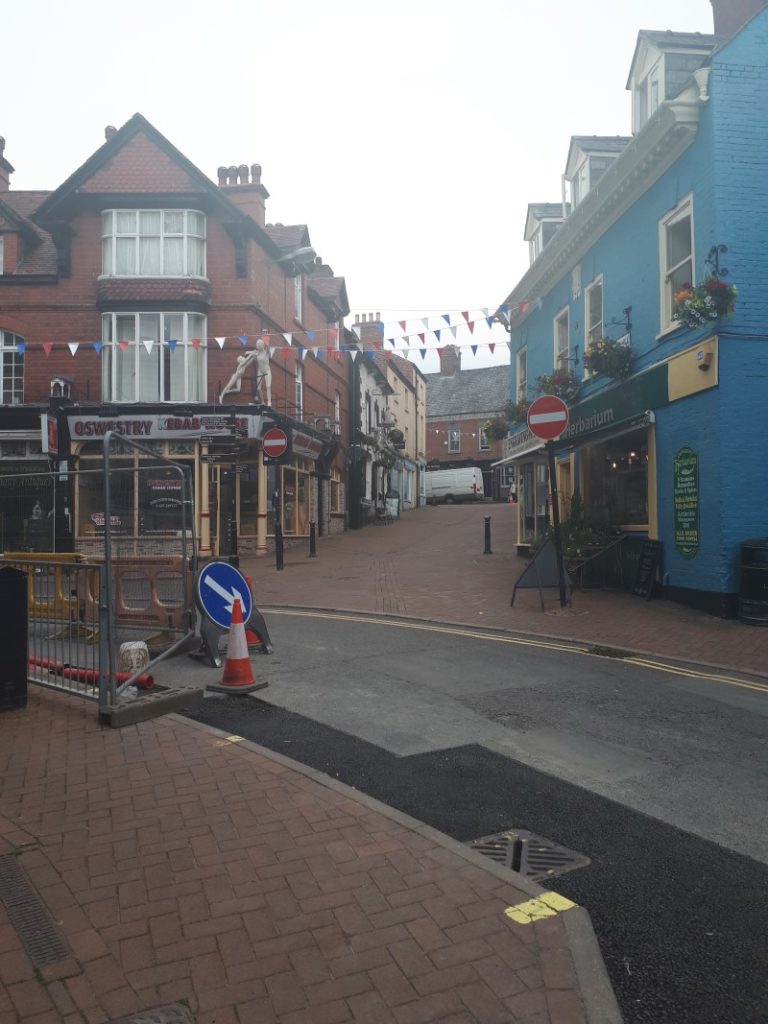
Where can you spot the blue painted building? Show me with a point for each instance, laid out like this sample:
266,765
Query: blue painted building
649,227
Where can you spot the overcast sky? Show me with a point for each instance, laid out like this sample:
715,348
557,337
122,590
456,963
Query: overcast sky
409,135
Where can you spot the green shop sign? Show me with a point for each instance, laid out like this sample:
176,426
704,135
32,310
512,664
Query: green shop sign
617,405
685,496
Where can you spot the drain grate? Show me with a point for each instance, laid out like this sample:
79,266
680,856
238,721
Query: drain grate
533,856
29,916
176,1013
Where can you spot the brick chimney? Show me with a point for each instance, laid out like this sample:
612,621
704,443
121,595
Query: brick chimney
6,170
369,330
450,361
243,186
731,15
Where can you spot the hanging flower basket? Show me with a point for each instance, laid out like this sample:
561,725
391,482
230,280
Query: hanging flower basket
609,358
561,383
516,412
709,300
496,429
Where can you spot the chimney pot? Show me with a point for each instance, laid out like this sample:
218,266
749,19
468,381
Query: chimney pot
255,174
2,145
232,175
109,132
242,174
222,175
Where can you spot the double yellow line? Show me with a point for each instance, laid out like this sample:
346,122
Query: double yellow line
550,645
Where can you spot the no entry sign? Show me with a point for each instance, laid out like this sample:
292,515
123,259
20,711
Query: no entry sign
275,442
548,417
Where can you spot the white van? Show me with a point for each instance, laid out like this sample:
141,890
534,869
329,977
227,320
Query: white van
449,485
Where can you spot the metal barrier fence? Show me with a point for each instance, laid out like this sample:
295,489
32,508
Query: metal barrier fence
127,510
67,629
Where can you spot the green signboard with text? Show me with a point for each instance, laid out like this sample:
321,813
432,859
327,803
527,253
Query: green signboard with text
685,496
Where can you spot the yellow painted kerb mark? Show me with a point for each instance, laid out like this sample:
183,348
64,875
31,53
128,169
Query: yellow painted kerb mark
546,905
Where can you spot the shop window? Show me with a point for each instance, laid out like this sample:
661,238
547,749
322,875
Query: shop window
153,243
676,242
618,481
11,369
154,357
561,340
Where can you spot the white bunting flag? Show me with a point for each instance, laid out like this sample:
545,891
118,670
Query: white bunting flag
288,338
148,346
304,353
220,342
353,354
73,346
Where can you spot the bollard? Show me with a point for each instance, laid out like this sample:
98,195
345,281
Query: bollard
518,859
13,639
487,536
313,540
278,547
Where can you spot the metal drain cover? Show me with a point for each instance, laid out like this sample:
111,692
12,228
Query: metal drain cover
175,1013
533,856
29,916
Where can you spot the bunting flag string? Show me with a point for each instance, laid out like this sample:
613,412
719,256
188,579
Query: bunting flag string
322,343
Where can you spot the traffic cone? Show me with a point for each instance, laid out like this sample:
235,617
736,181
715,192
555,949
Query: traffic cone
238,673
252,638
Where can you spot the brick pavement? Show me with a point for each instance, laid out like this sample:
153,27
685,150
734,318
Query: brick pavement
429,564
182,865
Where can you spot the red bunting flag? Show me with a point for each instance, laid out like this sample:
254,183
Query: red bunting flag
465,314
471,326
421,338
402,325
122,345
522,307
196,343
47,346
492,346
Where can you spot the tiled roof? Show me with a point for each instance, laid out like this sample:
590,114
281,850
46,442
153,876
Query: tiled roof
602,143
539,210
288,236
39,251
468,393
697,40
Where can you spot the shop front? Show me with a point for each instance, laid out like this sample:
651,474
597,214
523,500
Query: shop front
237,491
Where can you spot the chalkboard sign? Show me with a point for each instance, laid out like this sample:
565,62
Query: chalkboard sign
650,556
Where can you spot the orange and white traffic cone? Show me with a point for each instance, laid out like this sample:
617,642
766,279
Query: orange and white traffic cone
238,673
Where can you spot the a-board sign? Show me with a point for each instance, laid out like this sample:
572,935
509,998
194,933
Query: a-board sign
216,587
650,556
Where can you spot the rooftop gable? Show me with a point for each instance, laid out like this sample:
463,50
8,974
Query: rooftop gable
468,393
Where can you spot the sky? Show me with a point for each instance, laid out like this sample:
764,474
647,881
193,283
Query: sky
409,136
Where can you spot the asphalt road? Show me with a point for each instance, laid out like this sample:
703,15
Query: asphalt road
659,778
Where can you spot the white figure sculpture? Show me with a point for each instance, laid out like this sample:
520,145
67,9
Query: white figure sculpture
263,373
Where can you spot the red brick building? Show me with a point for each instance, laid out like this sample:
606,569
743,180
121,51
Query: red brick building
132,296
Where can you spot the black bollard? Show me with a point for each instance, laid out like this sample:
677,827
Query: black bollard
13,639
278,547
487,536
313,540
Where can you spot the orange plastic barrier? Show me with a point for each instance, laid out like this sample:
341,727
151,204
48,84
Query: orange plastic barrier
155,591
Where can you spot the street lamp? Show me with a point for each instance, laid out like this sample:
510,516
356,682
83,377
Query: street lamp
301,257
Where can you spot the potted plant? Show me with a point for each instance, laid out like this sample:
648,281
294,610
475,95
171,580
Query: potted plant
562,383
696,306
608,357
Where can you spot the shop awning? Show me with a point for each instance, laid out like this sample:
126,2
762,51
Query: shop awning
530,448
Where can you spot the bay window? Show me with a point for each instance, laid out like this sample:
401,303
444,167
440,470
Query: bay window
153,243
154,357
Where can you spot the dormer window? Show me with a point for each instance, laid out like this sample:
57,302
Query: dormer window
542,222
661,68
589,157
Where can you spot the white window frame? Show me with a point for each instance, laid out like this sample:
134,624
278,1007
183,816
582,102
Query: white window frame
299,391
593,329
298,297
454,439
562,355
110,235
336,412
521,374
10,393
184,350
683,210
484,443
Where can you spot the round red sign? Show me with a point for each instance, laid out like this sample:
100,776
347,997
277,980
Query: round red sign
548,417
275,442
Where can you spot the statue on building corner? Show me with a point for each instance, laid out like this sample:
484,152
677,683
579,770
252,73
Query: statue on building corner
263,373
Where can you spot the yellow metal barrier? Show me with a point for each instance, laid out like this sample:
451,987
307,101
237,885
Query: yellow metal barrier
49,596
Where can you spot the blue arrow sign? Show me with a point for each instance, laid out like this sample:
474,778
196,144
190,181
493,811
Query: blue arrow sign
216,587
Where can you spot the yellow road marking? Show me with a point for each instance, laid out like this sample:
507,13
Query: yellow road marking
547,905
228,739
430,628
477,634
692,673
